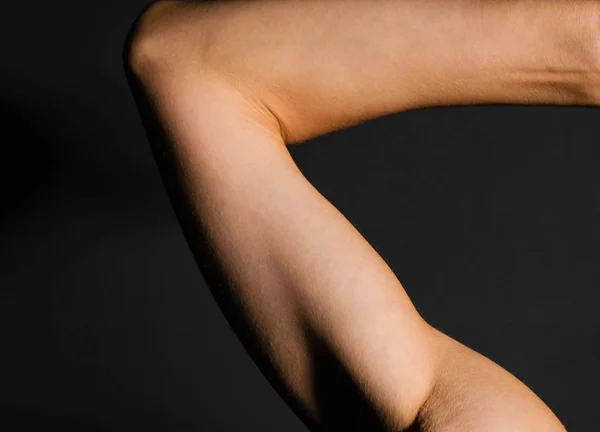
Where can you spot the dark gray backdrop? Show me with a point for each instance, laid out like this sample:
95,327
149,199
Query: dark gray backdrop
490,217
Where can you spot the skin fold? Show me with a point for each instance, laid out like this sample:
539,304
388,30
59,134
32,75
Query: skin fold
224,87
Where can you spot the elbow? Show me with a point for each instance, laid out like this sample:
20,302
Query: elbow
157,42
173,46
141,47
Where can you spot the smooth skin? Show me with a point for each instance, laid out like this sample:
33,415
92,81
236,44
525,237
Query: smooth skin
224,87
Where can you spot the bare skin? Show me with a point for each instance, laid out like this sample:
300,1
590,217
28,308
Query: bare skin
223,87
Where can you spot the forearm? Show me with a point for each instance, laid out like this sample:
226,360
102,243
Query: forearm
294,271
320,66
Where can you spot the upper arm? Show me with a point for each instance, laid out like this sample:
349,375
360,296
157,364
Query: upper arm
317,308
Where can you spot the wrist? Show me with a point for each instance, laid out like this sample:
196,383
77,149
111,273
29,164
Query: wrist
549,53
578,47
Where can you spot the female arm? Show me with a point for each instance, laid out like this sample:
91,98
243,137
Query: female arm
224,86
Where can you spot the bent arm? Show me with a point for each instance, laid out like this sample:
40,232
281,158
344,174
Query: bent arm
323,65
222,88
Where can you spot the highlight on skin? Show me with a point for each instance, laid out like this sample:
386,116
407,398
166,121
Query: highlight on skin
223,89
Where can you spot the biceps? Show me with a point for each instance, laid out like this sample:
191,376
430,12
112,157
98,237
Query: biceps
313,302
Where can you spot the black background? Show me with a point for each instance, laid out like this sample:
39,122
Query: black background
488,215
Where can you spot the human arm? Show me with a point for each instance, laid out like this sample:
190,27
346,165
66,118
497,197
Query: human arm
323,65
293,276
